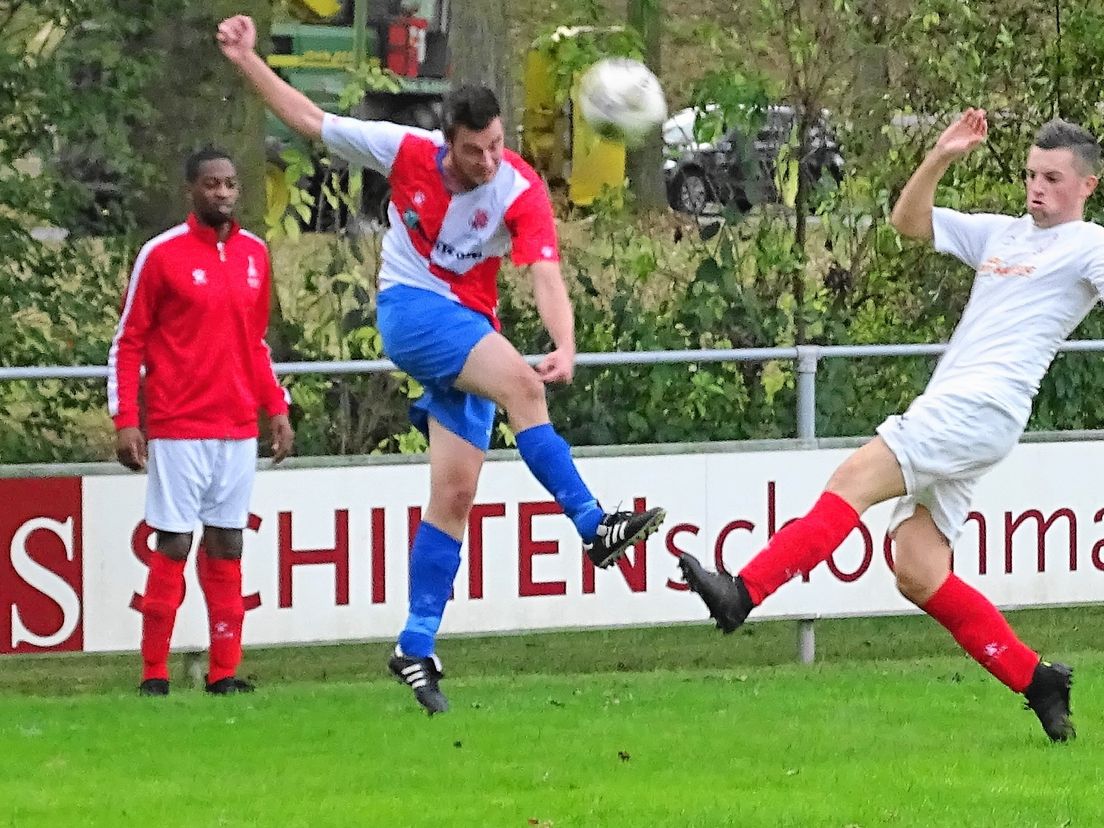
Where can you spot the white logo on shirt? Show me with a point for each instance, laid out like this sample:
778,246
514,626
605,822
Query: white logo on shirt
252,278
199,276
419,198
547,252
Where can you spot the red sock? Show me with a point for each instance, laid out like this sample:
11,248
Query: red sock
800,546
221,580
981,630
163,596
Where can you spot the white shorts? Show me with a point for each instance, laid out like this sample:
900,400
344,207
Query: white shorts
199,481
944,443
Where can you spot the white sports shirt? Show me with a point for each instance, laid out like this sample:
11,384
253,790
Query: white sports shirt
1033,287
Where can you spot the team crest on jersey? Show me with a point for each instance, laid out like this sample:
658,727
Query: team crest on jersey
252,277
199,276
410,217
480,219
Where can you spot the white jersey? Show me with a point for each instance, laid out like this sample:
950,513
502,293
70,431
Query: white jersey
1033,287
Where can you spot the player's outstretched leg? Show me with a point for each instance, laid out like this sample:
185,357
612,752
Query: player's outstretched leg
797,547
434,561
981,630
1048,696
606,536
726,597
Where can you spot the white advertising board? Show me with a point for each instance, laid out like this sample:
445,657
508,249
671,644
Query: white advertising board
328,558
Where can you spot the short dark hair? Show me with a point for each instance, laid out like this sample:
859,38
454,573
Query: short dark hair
201,156
1059,134
470,106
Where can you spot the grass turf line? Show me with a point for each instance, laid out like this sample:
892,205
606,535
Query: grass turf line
689,647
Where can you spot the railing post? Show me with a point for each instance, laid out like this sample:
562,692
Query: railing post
807,358
194,667
806,641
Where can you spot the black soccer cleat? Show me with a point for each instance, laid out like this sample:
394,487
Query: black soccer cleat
726,597
1048,696
154,687
229,686
422,675
620,530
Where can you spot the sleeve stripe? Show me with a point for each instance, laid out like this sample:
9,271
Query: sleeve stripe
132,289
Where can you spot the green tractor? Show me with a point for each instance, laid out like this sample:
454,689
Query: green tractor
314,51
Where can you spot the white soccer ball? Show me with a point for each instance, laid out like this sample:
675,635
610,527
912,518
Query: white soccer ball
622,100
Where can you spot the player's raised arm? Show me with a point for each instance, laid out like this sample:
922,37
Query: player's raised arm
237,38
912,214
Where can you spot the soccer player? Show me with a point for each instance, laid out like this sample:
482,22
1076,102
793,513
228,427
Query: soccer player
1037,277
195,315
459,202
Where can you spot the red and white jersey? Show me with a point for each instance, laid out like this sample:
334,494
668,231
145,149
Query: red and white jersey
448,243
195,315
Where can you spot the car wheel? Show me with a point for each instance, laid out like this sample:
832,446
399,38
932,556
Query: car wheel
691,193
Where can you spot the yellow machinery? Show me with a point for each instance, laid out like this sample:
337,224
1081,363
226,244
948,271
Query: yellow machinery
312,10
557,140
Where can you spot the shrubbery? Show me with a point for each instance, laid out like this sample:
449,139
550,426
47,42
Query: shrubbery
822,268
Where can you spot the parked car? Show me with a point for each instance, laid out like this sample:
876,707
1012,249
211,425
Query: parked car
738,170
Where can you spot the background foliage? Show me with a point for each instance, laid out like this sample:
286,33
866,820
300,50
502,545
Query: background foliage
826,268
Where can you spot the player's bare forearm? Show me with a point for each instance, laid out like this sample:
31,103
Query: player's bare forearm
553,304
912,214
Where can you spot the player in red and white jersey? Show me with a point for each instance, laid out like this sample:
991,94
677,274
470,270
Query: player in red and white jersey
1038,275
194,317
460,202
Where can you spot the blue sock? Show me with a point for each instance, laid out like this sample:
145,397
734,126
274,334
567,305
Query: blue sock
549,459
434,561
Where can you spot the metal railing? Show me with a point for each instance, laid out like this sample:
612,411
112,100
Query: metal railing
807,357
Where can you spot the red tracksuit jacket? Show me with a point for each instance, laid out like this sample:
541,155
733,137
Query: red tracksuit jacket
195,315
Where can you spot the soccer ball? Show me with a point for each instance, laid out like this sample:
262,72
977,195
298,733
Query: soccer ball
622,100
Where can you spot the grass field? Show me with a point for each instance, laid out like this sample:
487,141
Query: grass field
672,726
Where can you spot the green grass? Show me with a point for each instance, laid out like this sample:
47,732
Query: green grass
672,726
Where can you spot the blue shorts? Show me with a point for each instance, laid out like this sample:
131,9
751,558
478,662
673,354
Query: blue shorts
430,337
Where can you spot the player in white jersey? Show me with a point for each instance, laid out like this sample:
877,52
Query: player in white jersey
460,201
1037,278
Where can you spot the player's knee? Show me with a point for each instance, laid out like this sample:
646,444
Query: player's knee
175,545
911,588
916,578
226,544
454,498
526,392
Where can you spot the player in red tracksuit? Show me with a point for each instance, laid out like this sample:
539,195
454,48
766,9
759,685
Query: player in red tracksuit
195,316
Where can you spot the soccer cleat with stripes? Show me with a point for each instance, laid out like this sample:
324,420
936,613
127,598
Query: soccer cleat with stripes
726,597
422,675
620,530
1048,697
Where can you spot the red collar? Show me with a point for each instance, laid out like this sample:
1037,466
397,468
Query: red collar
209,234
